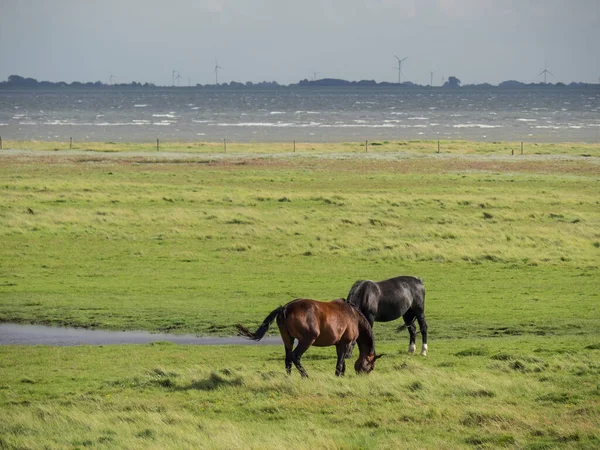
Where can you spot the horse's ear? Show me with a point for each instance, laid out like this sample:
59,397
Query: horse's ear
378,356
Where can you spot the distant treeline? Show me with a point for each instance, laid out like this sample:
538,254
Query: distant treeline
19,82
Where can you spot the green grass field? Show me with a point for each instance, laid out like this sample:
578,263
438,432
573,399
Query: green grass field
413,147
194,242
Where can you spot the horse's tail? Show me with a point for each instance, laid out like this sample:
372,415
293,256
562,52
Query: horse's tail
363,294
262,329
406,325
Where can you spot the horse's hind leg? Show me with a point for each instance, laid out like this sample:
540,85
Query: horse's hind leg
409,321
288,343
423,329
302,346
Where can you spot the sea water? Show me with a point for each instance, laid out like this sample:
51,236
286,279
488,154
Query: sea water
304,115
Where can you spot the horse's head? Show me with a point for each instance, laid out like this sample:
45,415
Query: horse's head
365,364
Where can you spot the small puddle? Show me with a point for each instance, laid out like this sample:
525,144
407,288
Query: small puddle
16,334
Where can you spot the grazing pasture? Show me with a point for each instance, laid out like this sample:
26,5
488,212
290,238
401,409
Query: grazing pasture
508,248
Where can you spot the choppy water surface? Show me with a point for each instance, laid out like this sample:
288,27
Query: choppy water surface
312,115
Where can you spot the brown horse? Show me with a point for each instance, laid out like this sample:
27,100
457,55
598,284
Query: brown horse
322,324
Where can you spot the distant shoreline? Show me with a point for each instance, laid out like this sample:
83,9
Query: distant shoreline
17,82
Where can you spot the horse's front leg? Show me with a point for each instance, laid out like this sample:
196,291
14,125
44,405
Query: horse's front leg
342,352
349,349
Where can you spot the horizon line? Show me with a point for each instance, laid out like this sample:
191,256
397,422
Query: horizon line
20,81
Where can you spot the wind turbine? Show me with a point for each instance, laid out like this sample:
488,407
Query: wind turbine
315,76
400,68
431,72
545,72
173,77
217,67
178,77
112,77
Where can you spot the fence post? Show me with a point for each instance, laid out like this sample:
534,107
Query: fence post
438,146
294,146
225,145
0,142
70,143
157,145
366,146
521,147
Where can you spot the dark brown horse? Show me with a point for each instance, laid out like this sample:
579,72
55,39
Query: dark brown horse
322,324
387,300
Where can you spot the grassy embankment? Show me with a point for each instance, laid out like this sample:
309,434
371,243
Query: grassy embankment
508,248
412,147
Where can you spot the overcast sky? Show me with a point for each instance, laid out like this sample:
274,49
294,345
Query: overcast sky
288,40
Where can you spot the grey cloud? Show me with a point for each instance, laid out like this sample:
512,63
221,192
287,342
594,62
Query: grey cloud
144,40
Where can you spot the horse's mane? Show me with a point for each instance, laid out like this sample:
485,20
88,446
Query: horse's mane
364,326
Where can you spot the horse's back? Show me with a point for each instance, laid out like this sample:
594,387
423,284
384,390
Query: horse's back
398,295
326,322
407,284
308,307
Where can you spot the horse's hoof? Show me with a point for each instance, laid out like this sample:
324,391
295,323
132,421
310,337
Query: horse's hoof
424,350
412,348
